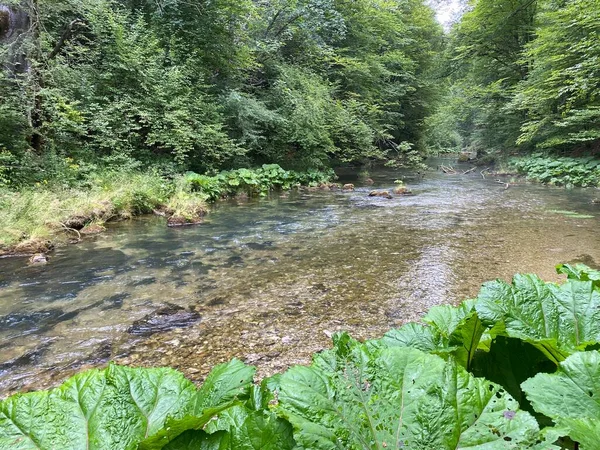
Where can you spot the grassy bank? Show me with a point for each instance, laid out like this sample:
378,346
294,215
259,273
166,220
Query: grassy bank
35,219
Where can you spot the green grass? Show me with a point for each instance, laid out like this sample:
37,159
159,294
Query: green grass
31,217
45,212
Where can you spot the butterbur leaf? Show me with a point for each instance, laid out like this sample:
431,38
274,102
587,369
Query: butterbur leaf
402,398
119,408
415,335
450,331
110,409
226,385
558,320
239,428
225,382
460,327
580,272
200,440
571,397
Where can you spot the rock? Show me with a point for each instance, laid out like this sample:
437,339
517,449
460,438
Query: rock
467,156
596,201
328,333
163,211
402,190
384,194
286,340
348,187
33,247
93,228
40,258
163,319
252,358
77,222
180,221
369,182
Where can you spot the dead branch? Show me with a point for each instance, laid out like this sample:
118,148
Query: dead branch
506,185
448,170
483,172
65,36
73,230
469,171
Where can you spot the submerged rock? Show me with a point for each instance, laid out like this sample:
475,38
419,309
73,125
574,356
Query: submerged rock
384,194
40,258
164,319
31,357
402,190
93,228
177,220
348,187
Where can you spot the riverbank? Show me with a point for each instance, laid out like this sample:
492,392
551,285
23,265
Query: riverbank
37,219
558,171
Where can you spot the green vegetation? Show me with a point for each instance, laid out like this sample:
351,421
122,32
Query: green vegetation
492,373
29,219
211,85
559,171
518,76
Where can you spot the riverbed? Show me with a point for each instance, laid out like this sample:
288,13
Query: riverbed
269,280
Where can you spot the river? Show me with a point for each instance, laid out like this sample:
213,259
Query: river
268,280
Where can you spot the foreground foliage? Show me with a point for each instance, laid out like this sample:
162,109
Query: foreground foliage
492,373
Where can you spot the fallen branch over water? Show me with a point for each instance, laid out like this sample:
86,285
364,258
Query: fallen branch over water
448,170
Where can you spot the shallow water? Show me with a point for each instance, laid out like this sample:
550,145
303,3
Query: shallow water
267,281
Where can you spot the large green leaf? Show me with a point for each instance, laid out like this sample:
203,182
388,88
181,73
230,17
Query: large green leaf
239,428
109,409
558,320
580,272
450,330
571,397
401,398
222,389
117,408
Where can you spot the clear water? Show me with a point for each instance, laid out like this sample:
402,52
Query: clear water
267,281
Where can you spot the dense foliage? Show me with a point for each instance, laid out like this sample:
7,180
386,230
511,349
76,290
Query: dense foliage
520,78
559,171
492,373
211,85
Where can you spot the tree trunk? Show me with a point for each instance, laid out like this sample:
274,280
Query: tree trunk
14,24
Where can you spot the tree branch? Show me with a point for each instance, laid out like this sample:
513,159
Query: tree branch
65,36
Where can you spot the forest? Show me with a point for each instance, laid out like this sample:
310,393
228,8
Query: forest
208,86
268,124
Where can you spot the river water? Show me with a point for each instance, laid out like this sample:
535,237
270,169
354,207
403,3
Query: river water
268,281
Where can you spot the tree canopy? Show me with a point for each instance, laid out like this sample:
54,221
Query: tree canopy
213,85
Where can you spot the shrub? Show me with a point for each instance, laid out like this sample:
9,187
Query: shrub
563,171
